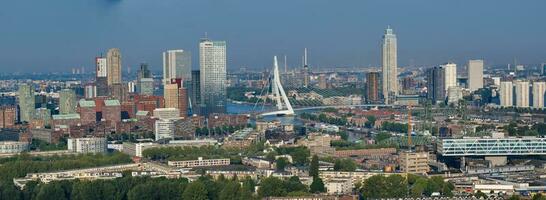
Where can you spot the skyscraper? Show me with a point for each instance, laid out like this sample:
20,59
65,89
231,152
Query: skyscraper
372,87
26,102
170,93
145,82
67,102
522,93
436,84
389,66
450,70
475,75
176,64
212,61
539,88
102,70
195,91
113,65
506,94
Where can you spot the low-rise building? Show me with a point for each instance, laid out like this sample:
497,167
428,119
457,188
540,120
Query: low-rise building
414,162
13,147
87,145
136,149
339,186
200,162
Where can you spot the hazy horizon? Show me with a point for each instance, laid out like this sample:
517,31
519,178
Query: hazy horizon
44,36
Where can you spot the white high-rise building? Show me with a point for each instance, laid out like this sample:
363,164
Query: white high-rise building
522,93
450,75
164,129
506,94
212,61
539,88
102,69
475,75
454,94
176,64
389,66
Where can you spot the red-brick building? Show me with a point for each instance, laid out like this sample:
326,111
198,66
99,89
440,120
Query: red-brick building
111,112
7,116
87,110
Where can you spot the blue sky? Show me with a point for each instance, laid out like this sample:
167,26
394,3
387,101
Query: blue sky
56,35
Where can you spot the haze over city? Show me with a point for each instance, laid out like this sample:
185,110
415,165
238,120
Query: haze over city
45,36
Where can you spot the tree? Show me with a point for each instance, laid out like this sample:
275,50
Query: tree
314,167
195,191
230,191
51,191
538,196
317,186
281,164
271,186
293,184
347,165
480,195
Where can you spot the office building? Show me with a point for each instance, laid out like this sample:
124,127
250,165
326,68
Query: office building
493,146
372,87
176,65
44,116
195,91
102,86
101,67
435,84
522,94
212,61
113,66
87,145
450,78
132,86
539,88
389,59
414,162
454,94
167,113
164,129
200,162
145,82
475,75
119,91
171,95
26,102
506,94
67,102
13,147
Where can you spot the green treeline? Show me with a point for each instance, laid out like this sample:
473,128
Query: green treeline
19,166
396,186
394,127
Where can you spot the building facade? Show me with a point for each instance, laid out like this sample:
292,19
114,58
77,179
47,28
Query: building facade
67,102
475,75
414,162
372,87
450,77
113,66
176,64
539,88
436,84
506,94
200,162
212,61
87,145
389,64
26,102
522,94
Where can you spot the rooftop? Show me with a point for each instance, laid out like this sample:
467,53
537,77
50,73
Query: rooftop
112,102
66,116
86,104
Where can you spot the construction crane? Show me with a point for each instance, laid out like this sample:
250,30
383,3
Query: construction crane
409,127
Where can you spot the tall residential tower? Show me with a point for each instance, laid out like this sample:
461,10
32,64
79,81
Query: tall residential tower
113,65
389,66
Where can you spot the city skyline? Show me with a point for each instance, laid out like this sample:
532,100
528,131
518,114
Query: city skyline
497,43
